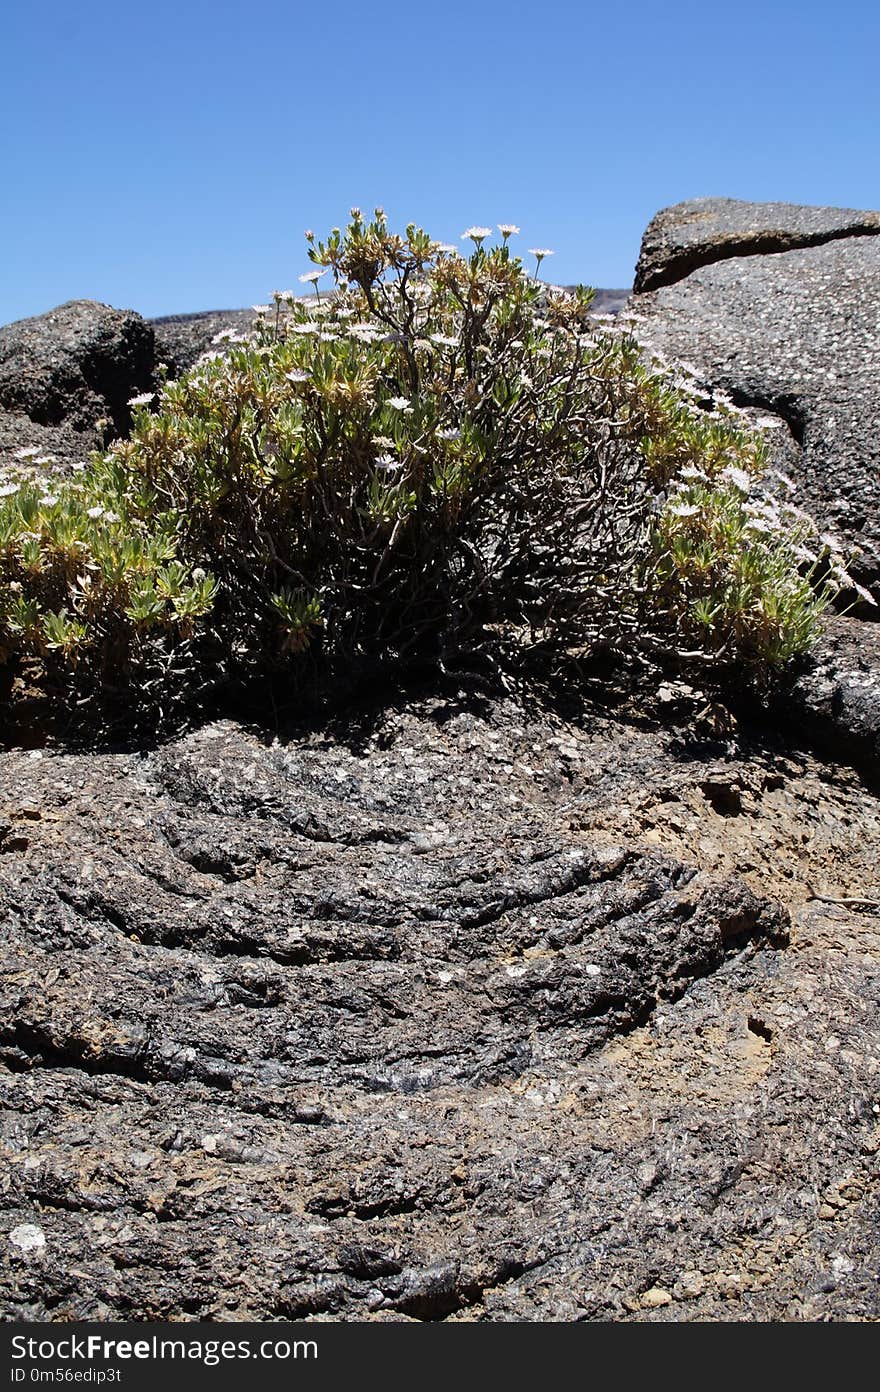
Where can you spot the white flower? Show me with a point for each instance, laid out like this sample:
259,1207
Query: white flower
476,234
298,375
541,252
399,403
690,472
682,364
260,308
684,510
143,400
864,594
758,524
112,517
738,477
444,340
450,434
365,332
446,248
766,510
27,452
95,512
786,482
49,500
7,490
507,229
387,463
304,328
311,277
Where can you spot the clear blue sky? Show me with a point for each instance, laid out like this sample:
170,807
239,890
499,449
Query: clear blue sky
168,156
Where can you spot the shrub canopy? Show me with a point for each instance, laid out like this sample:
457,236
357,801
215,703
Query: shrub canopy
436,444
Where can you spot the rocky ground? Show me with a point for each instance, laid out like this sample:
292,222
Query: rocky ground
458,1009
464,1005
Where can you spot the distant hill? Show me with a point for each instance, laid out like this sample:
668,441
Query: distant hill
610,301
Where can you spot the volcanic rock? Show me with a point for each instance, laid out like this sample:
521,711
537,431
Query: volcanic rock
697,233
453,1009
76,364
778,307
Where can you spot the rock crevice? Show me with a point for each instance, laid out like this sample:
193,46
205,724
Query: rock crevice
687,236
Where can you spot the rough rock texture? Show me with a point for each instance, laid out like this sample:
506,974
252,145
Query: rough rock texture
457,1009
835,701
703,230
75,364
62,446
795,332
181,339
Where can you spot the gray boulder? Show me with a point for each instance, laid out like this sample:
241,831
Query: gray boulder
75,365
836,699
704,230
778,306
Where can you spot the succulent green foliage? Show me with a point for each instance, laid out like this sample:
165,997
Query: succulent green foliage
437,444
733,580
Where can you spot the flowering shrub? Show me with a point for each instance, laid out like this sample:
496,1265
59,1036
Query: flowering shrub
439,444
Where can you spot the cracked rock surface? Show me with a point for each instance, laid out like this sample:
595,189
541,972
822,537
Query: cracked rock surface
779,307
703,230
458,1008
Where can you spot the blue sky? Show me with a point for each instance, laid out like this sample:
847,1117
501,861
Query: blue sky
168,156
